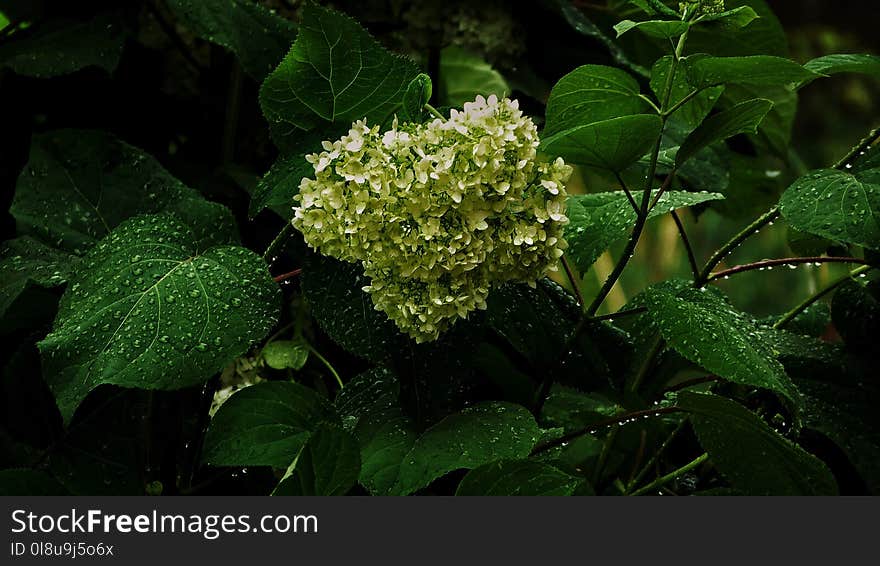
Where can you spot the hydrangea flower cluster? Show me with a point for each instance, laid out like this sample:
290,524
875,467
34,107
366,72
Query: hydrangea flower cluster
703,7
437,213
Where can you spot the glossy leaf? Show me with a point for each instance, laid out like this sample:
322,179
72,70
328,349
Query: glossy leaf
751,455
157,305
418,93
62,47
327,464
26,261
598,220
591,93
756,70
862,63
610,144
518,477
258,37
662,29
740,119
285,354
762,36
737,17
705,329
477,435
335,72
463,76
265,425
698,107
834,204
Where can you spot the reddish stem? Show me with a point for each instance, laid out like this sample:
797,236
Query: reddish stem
767,263
288,275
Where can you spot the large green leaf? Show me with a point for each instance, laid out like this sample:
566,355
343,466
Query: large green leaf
335,72
763,70
518,477
591,93
598,220
705,329
845,63
265,425
740,119
751,455
762,36
157,305
61,47
774,131
834,204
257,36
611,144
698,107
79,184
334,291
328,464
26,261
475,436
464,75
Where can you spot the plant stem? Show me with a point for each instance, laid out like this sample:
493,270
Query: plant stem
618,314
682,102
575,284
790,315
277,243
672,475
324,361
288,275
595,427
603,455
734,242
687,245
768,263
647,363
434,111
855,152
653,460
629,195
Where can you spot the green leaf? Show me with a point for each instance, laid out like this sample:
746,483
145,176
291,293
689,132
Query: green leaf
463,76
62,47
370,409
737,18
855,310
334,291
695,110
257,36
774,132
763,36
763,70
328,464
417,94
157,305
845,63
475,436
611,144
705,329
591,93
26,261
662,29
752,456
598,220
335,72
265,425
285,354
29,482
740,119
836,205
518,477
79,184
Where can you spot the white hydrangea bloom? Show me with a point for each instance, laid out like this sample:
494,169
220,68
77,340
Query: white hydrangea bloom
437,213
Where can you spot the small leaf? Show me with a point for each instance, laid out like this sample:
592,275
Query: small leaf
705,329
598,220
61,47
26,261
370,409
335,72
29,482
611,144
591,93
156,305
751,455
475,436
762,70
518,477
327,464
257,36
695,110
265,425
661,29
285,354
740,119
836,205
417,94
463,76
737,18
